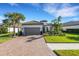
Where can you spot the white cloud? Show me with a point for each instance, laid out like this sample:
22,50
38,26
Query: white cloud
1,18
35,4
65,10
50,8
64,5
75,19
13,4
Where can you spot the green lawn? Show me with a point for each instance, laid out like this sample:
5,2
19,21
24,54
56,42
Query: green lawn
67,52
4,37
66,38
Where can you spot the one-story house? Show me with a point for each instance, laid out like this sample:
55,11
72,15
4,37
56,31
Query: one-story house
71,25
35,27
10,29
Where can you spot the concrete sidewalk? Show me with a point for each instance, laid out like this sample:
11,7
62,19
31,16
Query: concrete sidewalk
63,46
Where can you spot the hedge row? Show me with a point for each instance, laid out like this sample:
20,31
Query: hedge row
72,31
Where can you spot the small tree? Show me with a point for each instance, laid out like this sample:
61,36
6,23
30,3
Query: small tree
57,26
6,24
3,29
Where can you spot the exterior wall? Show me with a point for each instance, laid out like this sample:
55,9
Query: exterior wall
11,29
45,23
49,28
71,27
44,29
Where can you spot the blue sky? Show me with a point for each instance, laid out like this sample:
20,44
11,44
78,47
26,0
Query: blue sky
40,11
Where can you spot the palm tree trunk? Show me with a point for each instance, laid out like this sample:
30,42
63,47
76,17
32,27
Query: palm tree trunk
14,34
18,31
9,29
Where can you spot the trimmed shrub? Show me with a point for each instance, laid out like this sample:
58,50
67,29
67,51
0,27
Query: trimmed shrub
50,32
45,34
72,31
5,35
19,33
56,34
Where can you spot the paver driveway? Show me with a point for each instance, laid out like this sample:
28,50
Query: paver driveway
26,46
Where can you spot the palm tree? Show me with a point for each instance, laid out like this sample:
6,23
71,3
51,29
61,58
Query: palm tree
19,18
57,25
14,20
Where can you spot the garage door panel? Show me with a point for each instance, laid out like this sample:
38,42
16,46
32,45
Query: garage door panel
32,31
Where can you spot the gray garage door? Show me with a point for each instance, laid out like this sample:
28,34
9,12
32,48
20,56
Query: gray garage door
32,31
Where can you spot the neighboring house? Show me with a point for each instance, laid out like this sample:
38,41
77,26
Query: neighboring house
0,24
35,27
10,29
71,25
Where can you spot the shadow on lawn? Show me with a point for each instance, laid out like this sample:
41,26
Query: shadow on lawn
33,38
5,35
74,38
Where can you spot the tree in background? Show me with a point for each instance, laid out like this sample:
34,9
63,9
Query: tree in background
6,24
14,20
3,29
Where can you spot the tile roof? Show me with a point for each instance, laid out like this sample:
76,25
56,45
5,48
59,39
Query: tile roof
33,23
43,21
71,23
